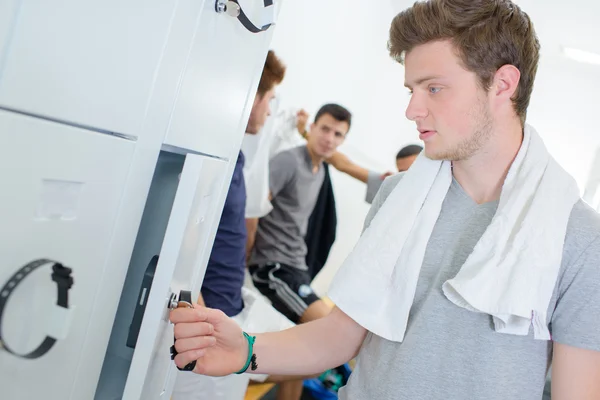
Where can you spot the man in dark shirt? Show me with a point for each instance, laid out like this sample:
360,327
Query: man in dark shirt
224,278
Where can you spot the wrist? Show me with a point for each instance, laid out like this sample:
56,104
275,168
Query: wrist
250,359
242,354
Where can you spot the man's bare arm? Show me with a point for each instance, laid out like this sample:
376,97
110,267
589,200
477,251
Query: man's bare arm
343,164
310,348
216,342
575,373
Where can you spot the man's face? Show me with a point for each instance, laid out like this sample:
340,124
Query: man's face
261,109
450,108
404,163
326,134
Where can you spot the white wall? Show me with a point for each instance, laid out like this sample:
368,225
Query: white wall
336,52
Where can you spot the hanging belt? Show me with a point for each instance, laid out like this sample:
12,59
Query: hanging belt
243,18
59,322
238,12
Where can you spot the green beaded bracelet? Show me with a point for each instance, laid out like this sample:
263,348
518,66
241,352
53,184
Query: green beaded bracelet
251,355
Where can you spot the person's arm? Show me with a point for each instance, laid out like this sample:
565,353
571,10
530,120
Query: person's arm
301,123
251,227
343,164
219,348
575,327
575,373
310,348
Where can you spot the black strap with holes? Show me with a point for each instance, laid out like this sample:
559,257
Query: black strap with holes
243,18
64,281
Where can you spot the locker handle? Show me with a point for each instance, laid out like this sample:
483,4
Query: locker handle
185,301
233,8
60,317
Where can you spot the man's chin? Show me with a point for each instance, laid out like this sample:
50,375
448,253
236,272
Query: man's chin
434,154
326,155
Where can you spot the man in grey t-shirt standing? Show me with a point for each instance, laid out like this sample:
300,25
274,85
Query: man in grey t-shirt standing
470,66
277,262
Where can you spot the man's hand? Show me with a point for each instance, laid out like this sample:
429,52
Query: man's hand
302,122
210,338
386,175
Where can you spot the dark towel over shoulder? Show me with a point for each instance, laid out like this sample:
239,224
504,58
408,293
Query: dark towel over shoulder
322,226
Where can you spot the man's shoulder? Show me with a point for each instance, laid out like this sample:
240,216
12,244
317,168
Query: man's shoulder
388,185
290,156
583,233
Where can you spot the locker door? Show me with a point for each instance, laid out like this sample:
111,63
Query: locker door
61,189
190,229
220,81
91,63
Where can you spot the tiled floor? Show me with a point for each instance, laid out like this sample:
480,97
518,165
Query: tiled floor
257,392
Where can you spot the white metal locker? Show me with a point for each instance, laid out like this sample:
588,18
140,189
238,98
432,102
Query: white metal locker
174,75
83,61
61,188
225,60
148,146
220,80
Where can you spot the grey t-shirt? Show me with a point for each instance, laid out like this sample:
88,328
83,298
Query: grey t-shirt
294,190
374,182
450,353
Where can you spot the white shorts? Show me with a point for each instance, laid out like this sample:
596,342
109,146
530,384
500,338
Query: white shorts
258,316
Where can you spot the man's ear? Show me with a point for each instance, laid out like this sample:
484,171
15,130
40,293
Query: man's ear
506,82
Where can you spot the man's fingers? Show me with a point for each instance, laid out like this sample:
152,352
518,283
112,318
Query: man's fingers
180,315
194,343
192,329
183,359
196,314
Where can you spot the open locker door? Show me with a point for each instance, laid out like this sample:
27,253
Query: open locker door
183,256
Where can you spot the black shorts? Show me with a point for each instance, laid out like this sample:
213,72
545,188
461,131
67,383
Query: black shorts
287,287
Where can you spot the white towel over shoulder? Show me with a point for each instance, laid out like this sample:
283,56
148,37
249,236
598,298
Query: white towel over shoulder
511,272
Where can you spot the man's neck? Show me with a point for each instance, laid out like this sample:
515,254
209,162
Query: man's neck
316,160
482,176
